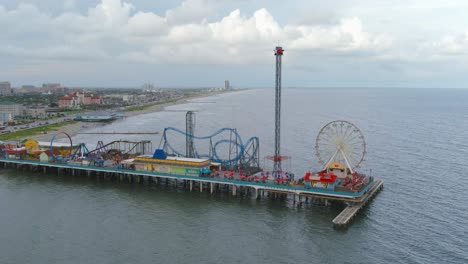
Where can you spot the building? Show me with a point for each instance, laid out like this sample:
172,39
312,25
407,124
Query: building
76,99
35,112
95,117
172,165
52,88
12,108
148,87
162,163
128,98
47,155
5,117
321,180
5,88
16,153
227,85
68,101
28,89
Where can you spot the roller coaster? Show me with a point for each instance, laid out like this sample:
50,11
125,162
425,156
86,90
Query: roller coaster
114,151
117,150
123,146
225,146
230,151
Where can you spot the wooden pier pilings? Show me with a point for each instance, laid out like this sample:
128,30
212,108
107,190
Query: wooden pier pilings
351,211
298,195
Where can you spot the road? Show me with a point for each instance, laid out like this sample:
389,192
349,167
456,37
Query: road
41,123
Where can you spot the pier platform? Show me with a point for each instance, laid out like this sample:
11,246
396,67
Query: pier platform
211,184
350,211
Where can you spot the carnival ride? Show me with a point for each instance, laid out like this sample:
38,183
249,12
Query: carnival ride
73,153
342,142
117,151
225,146
341,148
114,151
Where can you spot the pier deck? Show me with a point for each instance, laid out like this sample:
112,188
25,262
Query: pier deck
343,196
358,199
351,210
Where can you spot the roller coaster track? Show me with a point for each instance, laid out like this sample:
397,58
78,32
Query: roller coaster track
101,147
247,153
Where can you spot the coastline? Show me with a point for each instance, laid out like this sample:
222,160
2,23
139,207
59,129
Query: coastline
74,128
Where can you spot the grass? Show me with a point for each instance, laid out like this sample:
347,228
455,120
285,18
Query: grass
141,108
34,131
187,95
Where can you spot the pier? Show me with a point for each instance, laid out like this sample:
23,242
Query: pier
345,217
236,187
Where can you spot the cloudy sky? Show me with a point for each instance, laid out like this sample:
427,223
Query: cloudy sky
334,43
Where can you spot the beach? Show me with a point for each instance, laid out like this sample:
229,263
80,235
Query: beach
74,128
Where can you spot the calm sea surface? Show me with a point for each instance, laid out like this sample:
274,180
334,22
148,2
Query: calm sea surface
417,144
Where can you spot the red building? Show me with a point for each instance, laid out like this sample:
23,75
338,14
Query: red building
77,99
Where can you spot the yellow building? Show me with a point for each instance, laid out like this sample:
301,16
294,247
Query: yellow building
173,165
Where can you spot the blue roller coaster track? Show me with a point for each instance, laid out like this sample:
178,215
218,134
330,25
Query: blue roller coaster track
246,153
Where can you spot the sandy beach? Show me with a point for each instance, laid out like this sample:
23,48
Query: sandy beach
74,129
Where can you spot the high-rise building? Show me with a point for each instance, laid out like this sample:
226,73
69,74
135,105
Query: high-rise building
5,88
227,85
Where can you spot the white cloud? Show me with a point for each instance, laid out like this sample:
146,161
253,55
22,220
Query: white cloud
114,28
69,4
452,45
112,13
190,11
146,24
348,35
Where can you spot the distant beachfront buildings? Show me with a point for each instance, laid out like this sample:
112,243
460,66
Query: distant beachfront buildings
5,88
47,88
28,89
76,99
9,110
52,88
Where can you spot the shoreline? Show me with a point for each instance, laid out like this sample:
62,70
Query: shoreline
75,128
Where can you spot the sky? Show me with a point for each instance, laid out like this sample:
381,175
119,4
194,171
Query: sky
201,43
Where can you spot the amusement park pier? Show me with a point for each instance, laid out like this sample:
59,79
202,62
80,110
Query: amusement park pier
220,162
236,187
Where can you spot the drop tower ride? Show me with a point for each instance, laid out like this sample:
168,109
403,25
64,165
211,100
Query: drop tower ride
277,158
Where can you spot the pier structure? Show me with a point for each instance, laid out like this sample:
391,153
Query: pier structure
346,216
299,195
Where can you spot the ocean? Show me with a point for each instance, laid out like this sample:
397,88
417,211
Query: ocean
416,143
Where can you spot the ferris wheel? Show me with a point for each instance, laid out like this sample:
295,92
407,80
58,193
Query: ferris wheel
340,141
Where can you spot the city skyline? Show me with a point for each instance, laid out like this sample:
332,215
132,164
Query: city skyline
201,43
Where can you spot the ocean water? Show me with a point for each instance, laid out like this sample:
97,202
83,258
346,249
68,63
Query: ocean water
416,143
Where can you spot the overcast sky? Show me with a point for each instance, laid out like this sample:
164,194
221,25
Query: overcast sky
334,43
